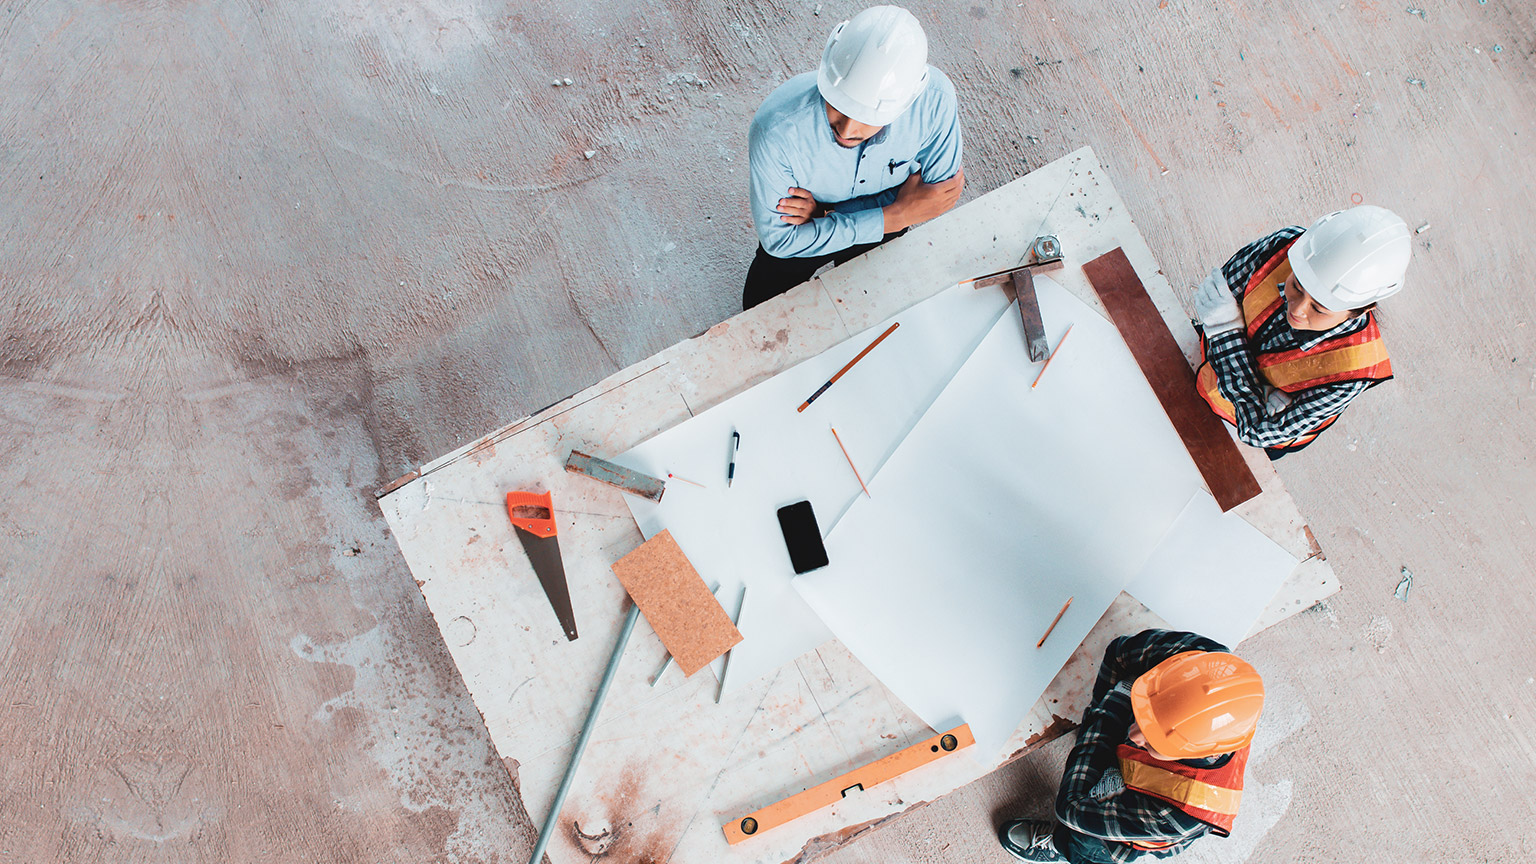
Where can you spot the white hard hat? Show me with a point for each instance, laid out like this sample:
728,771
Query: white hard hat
1352,258
874,65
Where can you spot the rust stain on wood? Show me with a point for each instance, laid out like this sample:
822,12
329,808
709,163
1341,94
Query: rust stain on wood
1058,727
1317,549
396,484
604,828
618,476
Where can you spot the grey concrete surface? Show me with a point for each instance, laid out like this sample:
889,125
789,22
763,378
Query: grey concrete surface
258,260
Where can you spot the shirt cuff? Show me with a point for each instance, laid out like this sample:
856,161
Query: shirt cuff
868,225
1225,342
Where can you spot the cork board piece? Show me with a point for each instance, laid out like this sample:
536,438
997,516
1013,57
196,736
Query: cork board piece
680,607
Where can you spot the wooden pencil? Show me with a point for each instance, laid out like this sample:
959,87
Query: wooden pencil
1054,622
850,462
1050,358
833,380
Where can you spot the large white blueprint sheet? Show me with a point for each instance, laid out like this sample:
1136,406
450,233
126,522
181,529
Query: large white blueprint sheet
1005,501
1001,503
732,534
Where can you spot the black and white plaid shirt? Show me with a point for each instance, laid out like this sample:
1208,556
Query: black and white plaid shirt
1093,799
1237,375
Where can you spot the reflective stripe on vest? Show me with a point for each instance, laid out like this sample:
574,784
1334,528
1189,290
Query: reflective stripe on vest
1211,795
1360,356
1205,383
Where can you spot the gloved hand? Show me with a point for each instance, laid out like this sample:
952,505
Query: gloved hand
1276,400
1216,307
1111,783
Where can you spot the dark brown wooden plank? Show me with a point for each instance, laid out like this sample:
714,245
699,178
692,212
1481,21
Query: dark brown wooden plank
1158,355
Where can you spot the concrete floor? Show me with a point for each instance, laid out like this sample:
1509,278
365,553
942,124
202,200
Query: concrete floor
258,260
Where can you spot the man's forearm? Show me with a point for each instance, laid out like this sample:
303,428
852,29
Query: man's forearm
917,201
876,201
1105,725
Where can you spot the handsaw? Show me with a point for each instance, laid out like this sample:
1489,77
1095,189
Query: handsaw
533,515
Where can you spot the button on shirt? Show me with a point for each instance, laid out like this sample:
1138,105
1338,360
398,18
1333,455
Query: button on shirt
791,144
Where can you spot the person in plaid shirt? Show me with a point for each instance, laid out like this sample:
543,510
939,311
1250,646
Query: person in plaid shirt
1159,756
1287,325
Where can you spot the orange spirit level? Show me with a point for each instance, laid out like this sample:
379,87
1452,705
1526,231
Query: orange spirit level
861,778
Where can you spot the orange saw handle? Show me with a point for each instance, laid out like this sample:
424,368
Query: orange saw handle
538,526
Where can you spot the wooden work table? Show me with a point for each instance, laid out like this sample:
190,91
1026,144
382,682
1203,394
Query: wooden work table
667,766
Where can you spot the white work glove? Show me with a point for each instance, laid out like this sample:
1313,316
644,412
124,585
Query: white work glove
1215,306
1111,784
1276,400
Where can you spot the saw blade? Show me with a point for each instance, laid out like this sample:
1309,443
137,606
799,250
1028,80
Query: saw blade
544,555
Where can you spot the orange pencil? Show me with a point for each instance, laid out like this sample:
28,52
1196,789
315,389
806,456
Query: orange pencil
850,462
1048,365
1055,621
833,380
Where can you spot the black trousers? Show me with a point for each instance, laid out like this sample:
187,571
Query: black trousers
768,277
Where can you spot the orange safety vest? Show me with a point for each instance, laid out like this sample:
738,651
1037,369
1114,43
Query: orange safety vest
1208,794
1359,356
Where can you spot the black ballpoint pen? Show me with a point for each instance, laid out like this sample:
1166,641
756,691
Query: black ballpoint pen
730,473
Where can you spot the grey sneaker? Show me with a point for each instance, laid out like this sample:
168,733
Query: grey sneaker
1029,840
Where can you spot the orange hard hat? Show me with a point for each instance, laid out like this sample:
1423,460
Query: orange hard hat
1198,703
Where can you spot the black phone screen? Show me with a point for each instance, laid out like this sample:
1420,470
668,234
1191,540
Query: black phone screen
803,537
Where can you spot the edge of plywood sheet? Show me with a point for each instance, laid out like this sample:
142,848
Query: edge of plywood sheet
1312,582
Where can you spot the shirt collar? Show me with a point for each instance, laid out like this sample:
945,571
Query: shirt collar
826,129
1308,342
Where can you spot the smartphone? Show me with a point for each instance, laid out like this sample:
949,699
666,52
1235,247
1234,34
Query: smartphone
803,537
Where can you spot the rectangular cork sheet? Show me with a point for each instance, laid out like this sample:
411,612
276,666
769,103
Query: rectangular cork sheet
680,607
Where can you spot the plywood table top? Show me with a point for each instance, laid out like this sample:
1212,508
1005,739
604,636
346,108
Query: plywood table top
667,765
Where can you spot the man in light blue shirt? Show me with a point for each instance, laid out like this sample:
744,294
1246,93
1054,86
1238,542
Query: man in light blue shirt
848,157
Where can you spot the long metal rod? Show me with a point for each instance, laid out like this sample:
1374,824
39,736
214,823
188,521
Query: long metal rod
548,830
